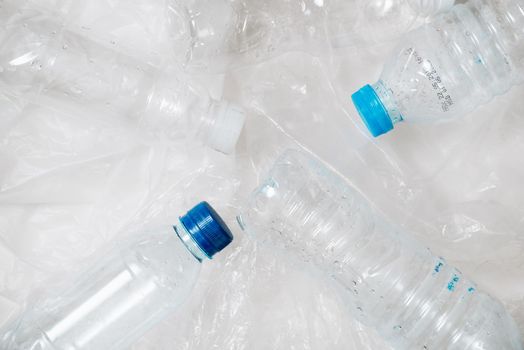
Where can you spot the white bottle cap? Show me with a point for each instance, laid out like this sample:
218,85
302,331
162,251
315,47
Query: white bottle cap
228,121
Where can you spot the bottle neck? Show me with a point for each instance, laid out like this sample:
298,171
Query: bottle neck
189,242
205,120
388,100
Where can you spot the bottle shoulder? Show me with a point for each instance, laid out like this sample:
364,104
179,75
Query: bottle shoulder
164,258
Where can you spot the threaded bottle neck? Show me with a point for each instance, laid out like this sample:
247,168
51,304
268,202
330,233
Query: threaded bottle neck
388,100
189,242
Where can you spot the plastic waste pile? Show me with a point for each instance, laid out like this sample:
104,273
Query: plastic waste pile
302,230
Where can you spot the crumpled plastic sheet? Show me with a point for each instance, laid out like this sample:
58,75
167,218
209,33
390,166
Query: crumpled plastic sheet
70,186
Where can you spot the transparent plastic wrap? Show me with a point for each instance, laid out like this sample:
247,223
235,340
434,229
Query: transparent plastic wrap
70,185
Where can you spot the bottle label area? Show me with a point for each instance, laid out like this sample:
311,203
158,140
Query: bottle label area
434,78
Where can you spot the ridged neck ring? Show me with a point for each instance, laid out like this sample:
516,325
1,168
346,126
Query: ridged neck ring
388,100
189,242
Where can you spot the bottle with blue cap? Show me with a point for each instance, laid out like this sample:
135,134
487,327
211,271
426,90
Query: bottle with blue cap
126,293
461,59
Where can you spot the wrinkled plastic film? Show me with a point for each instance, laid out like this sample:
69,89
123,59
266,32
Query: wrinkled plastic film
456,186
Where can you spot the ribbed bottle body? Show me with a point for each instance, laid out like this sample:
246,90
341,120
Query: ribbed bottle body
413,298
462,59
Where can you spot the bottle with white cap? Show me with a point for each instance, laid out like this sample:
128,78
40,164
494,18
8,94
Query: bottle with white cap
56,67
123,295
447,68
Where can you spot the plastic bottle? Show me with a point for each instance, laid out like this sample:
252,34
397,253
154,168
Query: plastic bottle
151,30
41,59
216,35
126,293
250,31
414,299
364,23
445,69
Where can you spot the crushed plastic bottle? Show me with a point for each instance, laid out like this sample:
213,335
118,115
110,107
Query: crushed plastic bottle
152,30
365,23
445,69
126,293
414,299
250,31
215,35
41,59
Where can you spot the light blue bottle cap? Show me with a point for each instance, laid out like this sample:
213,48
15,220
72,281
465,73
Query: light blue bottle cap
372,111
207,228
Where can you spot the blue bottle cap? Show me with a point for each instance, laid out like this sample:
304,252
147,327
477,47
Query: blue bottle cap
372,111
207,228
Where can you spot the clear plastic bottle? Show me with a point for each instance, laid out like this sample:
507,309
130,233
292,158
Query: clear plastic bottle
365,23
414,299
152,30
215,35
249,31
444,69
126,293
39,58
